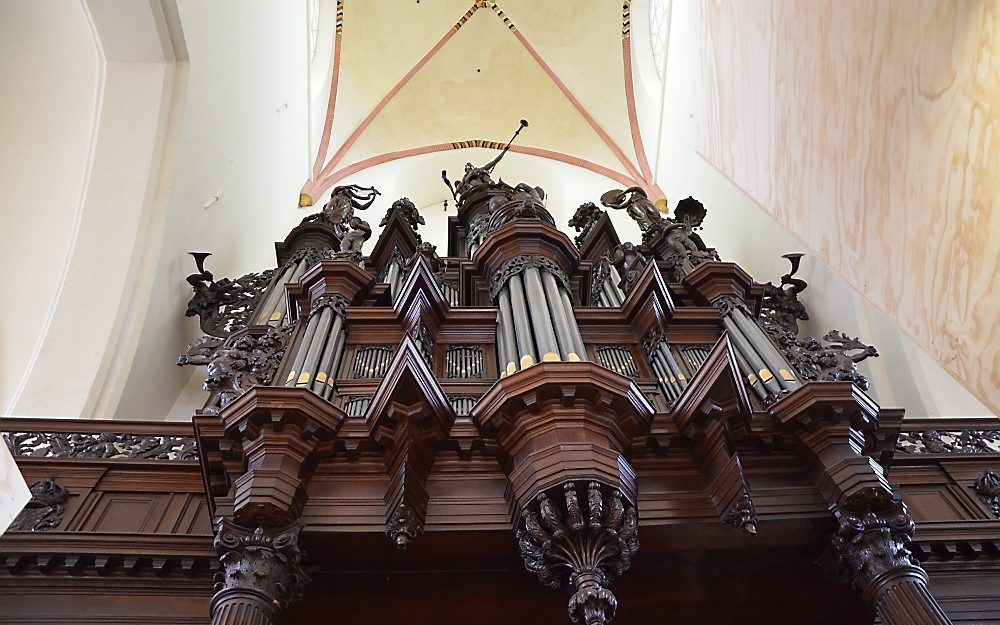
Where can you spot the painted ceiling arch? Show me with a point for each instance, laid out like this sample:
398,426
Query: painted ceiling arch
415,78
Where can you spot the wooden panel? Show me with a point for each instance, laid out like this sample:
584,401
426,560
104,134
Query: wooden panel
865,128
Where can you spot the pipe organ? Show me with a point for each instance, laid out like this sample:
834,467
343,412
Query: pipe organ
432,422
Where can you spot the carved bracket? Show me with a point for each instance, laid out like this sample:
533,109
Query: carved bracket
987,486
580,540
44,511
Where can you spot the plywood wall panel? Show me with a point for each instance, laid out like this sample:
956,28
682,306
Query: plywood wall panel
865,128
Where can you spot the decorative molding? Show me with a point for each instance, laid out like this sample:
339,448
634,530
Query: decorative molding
101,445
834,362
580,546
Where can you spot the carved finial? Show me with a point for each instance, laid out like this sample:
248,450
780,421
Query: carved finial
743,515
403,527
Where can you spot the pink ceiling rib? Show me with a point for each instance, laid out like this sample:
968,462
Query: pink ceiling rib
354,168
392,93
325,177
579,107
324,142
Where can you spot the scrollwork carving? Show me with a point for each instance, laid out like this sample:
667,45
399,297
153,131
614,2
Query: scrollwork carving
44,511
743,515
224,306
580,542
101,445
949,442
515,266
402,527
987,486
873,528
239,363
408,212
834,362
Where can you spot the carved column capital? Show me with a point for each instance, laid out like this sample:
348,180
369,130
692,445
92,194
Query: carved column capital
869,550
580,540
261,574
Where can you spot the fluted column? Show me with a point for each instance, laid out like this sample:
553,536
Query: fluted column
869,550
261,574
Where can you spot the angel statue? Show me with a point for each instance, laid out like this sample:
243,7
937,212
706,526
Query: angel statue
344,200
636,203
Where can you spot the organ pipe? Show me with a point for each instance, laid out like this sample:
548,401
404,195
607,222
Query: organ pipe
535,320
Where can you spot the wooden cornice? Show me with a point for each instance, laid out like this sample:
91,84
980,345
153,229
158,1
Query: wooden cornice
712,280
648,304
557,422
833,424
330,277
267,443
309,234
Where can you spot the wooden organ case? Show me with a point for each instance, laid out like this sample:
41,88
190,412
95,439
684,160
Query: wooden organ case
634,429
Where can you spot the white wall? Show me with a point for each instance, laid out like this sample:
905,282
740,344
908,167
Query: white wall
51,69
243,137
904,375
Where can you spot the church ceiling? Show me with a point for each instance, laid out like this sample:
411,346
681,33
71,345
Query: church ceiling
411,78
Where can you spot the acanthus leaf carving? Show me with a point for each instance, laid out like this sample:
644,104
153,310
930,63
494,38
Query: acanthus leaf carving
263,559
873,529
987,487
580,542
44,511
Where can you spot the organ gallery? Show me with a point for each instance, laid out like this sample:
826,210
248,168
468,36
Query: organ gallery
540,423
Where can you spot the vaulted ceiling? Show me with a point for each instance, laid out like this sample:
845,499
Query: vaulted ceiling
412,78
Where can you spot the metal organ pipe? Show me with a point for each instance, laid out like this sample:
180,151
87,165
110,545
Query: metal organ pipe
563,323
522,328
509,364
767,351
322,319
324,369
581,349
300,353
750,355
541,319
